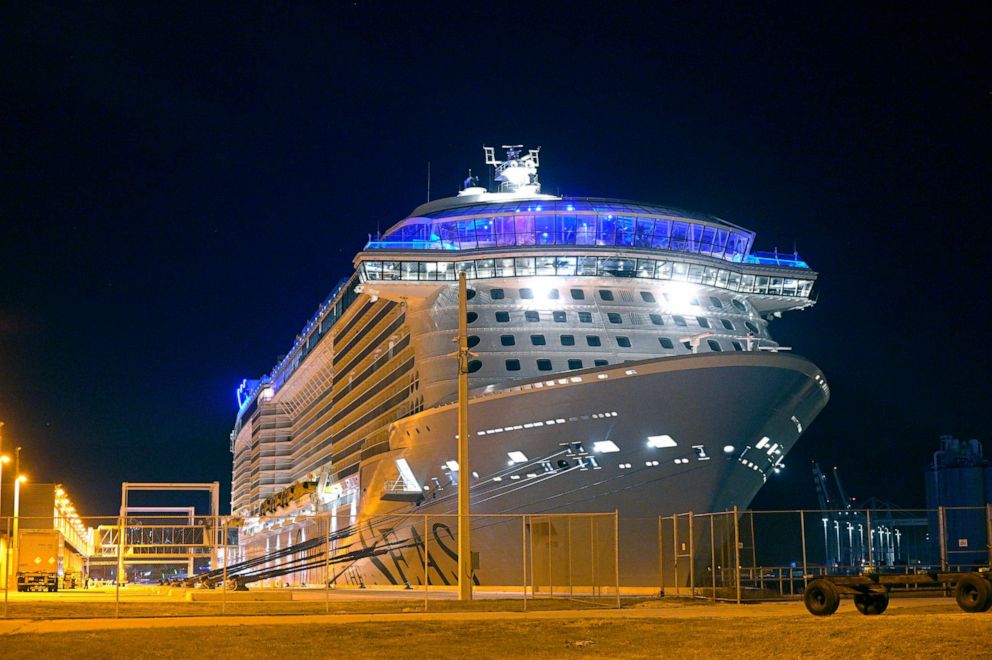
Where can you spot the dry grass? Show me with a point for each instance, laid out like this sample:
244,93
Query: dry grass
918,633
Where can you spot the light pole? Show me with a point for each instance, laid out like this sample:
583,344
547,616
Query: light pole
18,480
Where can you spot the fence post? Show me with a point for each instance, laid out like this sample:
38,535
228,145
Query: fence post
223,602
616,552
661,559
327,566
675,548
737,555
427,550
871,539
523,552
692,561
120,567
712,560
6,567
943,540
802,529
988,529
571,594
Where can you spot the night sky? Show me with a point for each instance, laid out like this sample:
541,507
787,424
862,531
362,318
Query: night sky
182,186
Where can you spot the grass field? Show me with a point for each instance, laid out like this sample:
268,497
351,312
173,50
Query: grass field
715,631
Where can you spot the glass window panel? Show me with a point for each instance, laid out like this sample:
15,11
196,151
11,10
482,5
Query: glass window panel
565,229
505,234
761,284
373,270
709,275
485,232
466,234
524,225
524,266
775,286
733,281
607,230
585,266
544,229
449,234
445,271
545,265
679,270
427,270
721,278
721,243
709,236
467,267
565,265
680,236
625,230
661,231
484,267
664,270
643,232
390,270
585,230
409,270
645,268
695,273
504,267
617,267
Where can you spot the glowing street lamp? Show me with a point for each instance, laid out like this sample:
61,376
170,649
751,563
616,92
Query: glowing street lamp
17,505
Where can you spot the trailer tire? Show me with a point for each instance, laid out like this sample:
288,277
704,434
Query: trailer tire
821,597
973,593
871,603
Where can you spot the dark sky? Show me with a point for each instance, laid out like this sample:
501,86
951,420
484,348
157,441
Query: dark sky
183,185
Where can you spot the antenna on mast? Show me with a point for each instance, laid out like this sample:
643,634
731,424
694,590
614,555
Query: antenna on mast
428,181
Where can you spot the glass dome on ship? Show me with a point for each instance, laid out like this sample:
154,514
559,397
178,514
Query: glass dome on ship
597,326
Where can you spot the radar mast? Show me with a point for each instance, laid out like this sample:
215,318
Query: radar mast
515,174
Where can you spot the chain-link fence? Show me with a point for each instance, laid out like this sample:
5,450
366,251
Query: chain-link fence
763,555
155,565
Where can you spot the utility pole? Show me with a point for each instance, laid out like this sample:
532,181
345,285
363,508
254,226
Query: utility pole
464,468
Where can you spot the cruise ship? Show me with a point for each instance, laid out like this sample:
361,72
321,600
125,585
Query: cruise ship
621,361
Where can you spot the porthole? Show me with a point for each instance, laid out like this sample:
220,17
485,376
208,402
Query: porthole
601,363
585,317
513,365
473,341
656,319
703,321
568,340
714,345
538,340
716,302
647,296
606,294
544,365
623,342
527,294
497,294
502,317
531,316
679,321
575,364
558,317
614,318
471,317
469,294
474,365
752,327
552,294
593,340
737,346
727,324
507,340
578,294
738,304
665,342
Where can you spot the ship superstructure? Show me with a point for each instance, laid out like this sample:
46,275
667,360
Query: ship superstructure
621,361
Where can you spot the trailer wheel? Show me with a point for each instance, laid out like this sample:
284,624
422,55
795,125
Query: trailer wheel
821,597
871,603
973,593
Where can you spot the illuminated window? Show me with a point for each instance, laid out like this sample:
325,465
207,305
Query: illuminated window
585,317
568,340
527,294
578,294
661,441
605,447
679,321
544,365
497,294
558,317
656,319
714,345
537,340
531,316
647,296
517,456
593,340
513,365
623,342
502,317
727,324
575,364
507,340
606,294
614,318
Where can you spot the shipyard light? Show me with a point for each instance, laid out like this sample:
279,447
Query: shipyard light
605,447
452,465
517,457
728,449
661,441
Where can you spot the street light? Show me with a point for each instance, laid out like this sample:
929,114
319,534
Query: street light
20,479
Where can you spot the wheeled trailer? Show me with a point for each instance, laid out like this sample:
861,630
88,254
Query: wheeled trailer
972,591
